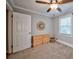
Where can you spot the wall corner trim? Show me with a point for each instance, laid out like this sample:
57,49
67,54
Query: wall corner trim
9,6
30,11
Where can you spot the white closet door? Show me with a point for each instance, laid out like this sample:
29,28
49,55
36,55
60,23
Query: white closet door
21,31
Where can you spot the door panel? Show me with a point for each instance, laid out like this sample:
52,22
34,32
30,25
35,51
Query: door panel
21,29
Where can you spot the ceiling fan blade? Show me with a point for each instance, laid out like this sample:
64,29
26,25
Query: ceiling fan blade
51,1
42,2
48,9
59,9
65,1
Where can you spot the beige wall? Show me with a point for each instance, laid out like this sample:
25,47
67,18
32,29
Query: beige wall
35,18
10,28
9,31
64,38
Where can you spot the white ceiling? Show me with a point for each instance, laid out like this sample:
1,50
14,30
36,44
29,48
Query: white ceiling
31,5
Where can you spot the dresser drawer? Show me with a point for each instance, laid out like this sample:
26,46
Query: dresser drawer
45,40
39,40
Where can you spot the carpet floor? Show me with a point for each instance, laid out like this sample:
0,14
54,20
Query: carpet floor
45,51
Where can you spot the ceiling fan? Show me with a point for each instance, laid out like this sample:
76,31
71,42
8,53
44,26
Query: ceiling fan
54,4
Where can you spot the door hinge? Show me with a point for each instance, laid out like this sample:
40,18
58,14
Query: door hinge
12,15
12,46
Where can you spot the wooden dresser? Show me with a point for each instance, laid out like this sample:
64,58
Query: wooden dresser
40,39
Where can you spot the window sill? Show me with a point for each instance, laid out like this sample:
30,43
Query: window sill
67,35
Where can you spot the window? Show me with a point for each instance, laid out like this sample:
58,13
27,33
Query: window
65,25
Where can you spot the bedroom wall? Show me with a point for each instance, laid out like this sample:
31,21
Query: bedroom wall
35,18
68,40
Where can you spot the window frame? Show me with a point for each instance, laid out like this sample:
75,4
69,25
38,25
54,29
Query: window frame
71,30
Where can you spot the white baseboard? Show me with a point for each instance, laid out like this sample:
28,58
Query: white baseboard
65,43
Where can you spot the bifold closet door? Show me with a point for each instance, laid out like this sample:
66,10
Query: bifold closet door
21,31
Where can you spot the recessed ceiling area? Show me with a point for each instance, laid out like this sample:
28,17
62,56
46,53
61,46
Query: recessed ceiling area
31,5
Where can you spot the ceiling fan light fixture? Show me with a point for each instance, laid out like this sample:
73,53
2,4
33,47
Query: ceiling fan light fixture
54,1
54,6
